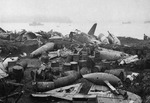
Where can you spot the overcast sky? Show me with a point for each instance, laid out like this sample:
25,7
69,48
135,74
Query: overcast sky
78,10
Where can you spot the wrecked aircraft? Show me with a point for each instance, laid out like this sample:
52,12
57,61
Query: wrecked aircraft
110,55
103,38
86,38
113,39
66,92
66,65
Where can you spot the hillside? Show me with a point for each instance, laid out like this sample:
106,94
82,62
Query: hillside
134,42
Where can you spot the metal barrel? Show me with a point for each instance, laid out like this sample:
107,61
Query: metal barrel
74,66
97,56
88,51
90,62
69,58
76,57
66,66
82,63
43,86
84,55
18,72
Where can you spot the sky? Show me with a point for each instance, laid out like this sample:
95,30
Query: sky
75,10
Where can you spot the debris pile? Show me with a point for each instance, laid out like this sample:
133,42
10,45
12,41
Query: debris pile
75,67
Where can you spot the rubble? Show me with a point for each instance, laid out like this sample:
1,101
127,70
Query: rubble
49,64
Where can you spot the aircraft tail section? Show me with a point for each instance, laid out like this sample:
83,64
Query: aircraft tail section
92,30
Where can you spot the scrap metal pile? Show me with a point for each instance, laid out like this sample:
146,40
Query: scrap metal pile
77,67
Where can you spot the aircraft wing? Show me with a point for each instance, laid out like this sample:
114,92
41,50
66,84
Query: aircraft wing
66,92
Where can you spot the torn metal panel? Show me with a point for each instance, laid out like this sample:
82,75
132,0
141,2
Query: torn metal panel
104,95
66,92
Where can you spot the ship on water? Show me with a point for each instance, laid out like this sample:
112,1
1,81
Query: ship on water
127,22
36,24
145,22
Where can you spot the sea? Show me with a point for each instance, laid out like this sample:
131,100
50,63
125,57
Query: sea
134,30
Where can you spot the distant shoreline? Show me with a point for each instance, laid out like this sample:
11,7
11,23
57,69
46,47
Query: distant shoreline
146,22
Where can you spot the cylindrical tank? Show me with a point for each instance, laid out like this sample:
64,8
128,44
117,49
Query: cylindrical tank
42,49
84,55
43,86
97,56
74,66
90,62
66,67
82,63
18,72
76,57
67,80
69,58
100,78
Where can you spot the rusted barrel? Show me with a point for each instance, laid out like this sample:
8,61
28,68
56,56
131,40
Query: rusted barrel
84,55
90,62
43,86
66,66
88,51
82,63
74,66
69,58
76,57
97,56
18,72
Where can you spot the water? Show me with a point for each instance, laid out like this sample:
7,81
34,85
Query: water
135,30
